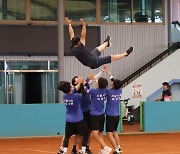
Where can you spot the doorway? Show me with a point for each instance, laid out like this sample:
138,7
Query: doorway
32,88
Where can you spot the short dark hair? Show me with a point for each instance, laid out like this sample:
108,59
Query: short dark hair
165,84
117,83
73,80
75,40
102,83
60,85
64,86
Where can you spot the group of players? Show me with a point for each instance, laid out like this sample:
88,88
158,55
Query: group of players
85,114
84,105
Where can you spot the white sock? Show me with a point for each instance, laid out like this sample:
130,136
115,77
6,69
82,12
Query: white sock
83,149
65,149
106,147
119,146
117,150
101,150
61,148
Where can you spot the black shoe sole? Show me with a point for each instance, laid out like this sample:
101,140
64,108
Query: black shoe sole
108,38
129,51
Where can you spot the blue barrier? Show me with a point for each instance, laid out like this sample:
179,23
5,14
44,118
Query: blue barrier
19,120
161,116
31,120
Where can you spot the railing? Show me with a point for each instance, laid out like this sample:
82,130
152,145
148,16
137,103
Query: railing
176,23
150,64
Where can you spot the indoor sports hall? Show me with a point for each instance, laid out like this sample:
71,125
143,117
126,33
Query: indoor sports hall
89,76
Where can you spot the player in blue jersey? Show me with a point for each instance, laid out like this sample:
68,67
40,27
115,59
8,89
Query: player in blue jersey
85,105
98,97
113,112
74,117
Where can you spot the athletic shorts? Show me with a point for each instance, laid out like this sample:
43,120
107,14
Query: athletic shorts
86,116
73,128
100,60
97,122
111,123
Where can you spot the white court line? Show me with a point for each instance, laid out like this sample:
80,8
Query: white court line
42,151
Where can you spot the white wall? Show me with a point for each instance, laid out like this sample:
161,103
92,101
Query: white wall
152,80
175,90
175,10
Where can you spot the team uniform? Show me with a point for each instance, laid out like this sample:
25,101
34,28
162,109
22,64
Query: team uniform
90,59
74,118
85,104
112,109
166,94
98,97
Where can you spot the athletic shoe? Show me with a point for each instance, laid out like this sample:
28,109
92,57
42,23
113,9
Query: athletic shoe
81,152
60,151
120,150
88,151
73,151
116,152
108,38
107,150
101,151
129,51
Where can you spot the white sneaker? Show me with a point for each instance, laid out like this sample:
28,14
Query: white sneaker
107,150
101,151
82,152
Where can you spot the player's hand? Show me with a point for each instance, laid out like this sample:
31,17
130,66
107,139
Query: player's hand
91,76
67,20
82,22
81,80
105,68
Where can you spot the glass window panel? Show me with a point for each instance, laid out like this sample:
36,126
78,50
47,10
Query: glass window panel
27,65
44,10
53,65
2,88
147,11
1,65
116,10
12,9
76,9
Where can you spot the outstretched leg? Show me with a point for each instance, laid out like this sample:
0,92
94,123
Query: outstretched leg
105,44
119,56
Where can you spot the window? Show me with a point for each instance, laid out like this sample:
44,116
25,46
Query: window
92,11
147,11
116,10
76,9
45,10
12,9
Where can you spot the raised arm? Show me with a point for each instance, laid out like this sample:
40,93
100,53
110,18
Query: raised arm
83,32
109,74
71,31
97,76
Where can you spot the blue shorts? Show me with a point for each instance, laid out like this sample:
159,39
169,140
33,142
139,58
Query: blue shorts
100,60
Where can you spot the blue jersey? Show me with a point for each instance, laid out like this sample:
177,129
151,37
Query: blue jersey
98,97
85,104
113,101
73,107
